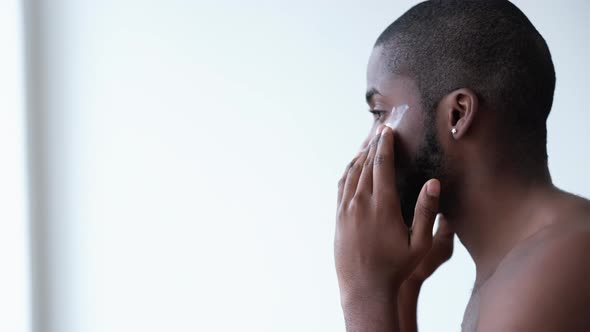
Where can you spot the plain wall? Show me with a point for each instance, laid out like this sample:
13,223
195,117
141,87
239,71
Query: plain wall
185,155
14,251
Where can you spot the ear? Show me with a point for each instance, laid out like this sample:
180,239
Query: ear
461,106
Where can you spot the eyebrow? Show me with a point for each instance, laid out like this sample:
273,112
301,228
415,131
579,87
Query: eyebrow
370,93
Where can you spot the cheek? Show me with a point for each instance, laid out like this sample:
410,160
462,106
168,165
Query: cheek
402,151
409,137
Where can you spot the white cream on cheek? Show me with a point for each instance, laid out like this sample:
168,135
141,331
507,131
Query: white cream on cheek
396,116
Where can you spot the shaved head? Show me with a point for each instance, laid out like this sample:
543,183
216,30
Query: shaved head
488,46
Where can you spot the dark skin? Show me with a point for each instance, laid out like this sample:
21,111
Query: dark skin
529,240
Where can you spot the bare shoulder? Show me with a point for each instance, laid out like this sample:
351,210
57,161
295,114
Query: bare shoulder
544,283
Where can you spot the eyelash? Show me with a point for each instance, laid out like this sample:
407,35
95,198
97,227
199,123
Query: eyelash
377,114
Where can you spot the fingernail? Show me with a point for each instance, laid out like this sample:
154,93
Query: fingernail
433,188
386,130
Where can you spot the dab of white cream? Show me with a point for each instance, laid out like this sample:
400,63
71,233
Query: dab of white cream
396,115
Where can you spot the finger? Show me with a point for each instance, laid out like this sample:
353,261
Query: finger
424,215
365,143
366,177
384,167
443,241
344,176
352,178
444,230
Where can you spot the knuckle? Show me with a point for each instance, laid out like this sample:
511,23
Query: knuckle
379,160
351,165
448,253
353,205
349,168
355,166
446,257
425,209
422,246
375,142
357,202
341,213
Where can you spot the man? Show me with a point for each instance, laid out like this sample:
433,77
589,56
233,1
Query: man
479,80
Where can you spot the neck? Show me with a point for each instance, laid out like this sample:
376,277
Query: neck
496,212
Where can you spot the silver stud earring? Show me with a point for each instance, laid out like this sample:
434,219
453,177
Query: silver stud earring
454,131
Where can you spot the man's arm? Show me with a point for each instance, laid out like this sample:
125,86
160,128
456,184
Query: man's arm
547,290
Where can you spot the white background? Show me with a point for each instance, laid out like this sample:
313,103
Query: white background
186,156
14,251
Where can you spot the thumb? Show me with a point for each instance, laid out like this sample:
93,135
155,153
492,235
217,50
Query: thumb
424,216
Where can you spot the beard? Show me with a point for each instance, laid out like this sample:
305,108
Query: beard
428,163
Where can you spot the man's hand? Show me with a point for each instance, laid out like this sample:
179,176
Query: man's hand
374,250
440,252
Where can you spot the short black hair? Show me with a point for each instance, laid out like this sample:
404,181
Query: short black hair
489,46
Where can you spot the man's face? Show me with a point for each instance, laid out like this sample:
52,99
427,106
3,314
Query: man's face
418,156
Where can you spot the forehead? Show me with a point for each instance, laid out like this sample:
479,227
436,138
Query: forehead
377,70
399,87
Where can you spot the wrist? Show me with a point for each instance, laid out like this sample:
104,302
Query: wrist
370,311
369,297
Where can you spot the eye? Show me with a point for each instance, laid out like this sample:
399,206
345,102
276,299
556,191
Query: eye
378,114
